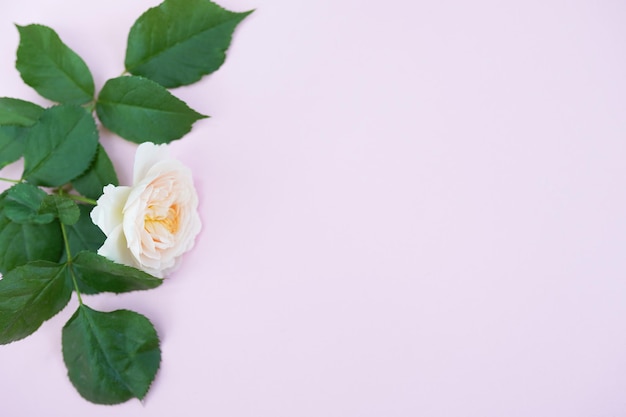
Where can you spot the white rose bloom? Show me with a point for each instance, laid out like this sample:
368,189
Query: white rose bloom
150,224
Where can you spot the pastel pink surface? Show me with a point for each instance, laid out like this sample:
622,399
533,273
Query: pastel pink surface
409,209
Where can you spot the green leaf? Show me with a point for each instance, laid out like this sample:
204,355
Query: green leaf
103,275
23,203
18,112
26,203
16,116
141,110
50,67
84,236
100,173
11,144
29,295
23,243
194,44
61,207
110,357
61,146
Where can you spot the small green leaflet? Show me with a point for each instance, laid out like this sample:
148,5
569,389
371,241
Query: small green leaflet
22,243
63,208
110,357
29,295
26,203
61,146
100,173
141,110
18,112
103,275
194,44
51,68
23,205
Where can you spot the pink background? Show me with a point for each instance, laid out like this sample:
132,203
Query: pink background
410,208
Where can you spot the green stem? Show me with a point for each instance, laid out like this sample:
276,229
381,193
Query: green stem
82,199
69,263
10,180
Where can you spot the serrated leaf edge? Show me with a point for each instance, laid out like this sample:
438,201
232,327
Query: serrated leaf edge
87,93
140,398
63,268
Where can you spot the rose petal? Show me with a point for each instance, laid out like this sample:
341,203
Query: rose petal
115,248
108,214
148,154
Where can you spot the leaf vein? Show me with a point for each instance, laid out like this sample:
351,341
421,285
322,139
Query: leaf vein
169,46
34,297
109,362
55,149
136,106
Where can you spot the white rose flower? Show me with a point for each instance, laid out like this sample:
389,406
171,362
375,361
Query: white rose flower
150,224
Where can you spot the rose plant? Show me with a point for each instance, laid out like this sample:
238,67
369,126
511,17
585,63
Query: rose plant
67,226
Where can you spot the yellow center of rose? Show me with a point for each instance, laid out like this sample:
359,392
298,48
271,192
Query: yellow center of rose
158,219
